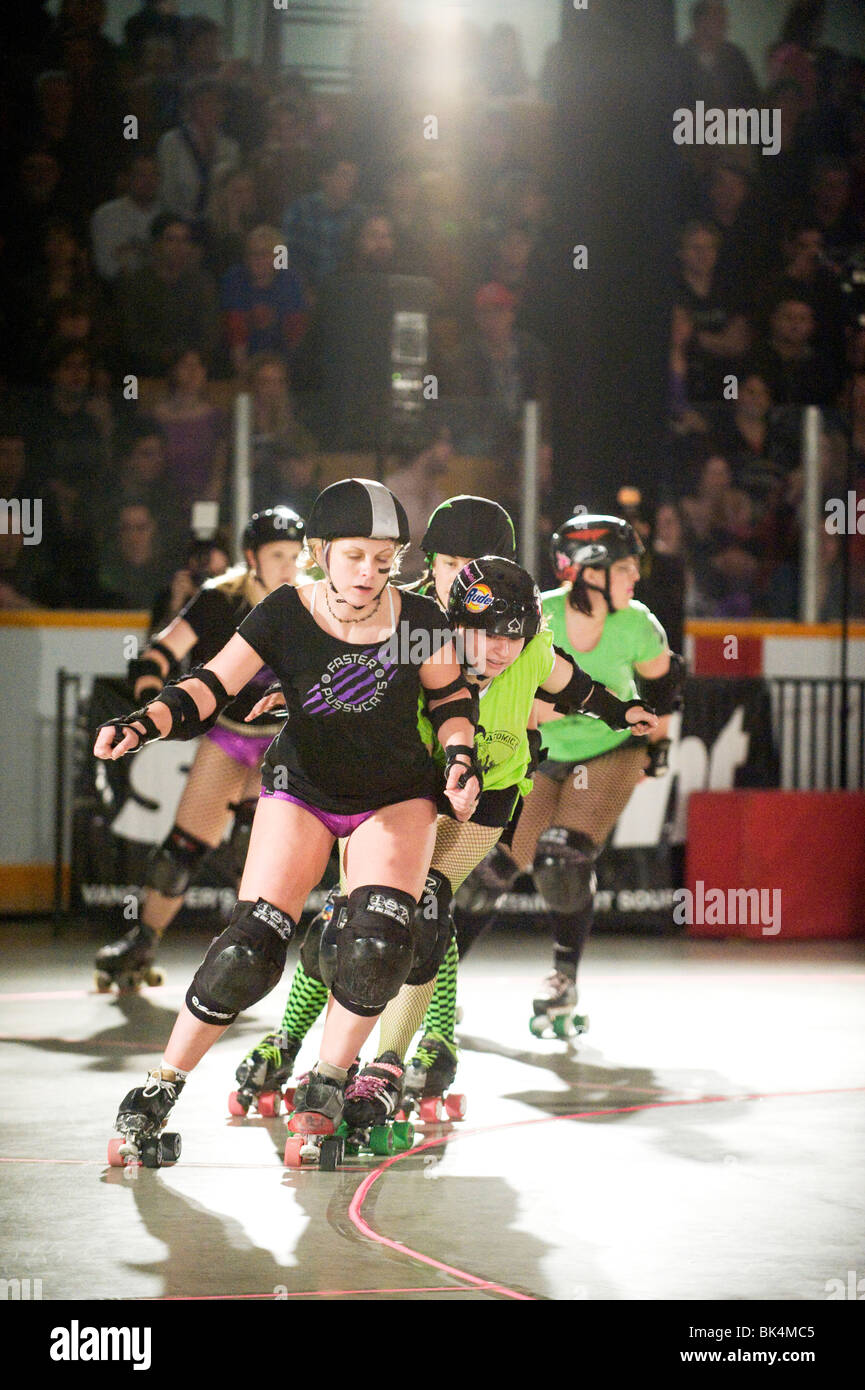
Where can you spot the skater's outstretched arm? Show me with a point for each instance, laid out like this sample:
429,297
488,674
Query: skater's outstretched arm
186,708
161,658
577,693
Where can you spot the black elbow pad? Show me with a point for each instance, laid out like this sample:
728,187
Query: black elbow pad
665,693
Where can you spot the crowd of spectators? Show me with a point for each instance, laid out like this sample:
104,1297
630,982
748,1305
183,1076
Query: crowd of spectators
179,225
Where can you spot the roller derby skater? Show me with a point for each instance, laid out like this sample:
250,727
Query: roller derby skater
459,529
586,781
349,763
494,608
263,1076
224,777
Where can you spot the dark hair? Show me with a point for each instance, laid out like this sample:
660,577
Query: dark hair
803,23
163,220
60,349
328,160
578,597
132,432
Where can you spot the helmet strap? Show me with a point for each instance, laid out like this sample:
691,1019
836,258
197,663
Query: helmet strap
605,591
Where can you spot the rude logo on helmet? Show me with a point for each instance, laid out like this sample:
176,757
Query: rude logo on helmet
478,598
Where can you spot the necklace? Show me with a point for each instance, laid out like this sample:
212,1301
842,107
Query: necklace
336,616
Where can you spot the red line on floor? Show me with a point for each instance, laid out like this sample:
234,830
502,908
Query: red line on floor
306,1293
360,1196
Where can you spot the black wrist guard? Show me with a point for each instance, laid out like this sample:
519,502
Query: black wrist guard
659,758
186,721
120,726
603,704
466,757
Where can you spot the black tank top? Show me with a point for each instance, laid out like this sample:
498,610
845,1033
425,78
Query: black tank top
213,616
351,742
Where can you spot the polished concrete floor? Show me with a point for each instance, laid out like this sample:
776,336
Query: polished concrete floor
704,1141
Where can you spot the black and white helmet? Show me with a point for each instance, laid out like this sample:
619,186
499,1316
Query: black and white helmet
358,507
275,524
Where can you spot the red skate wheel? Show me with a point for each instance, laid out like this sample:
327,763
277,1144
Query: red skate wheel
235,1107
115,1157
288,1096
456,1107
431,1110
400,1117
268,1103
293,1146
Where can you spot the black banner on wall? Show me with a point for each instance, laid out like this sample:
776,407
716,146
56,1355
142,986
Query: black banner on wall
723,739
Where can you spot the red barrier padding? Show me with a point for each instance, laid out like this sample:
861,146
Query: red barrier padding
807,846
728,656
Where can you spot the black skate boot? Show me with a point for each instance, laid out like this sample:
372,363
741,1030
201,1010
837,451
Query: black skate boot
553,1008
128,963
372,1099
428,1078
141,1120
312,1125
262,1076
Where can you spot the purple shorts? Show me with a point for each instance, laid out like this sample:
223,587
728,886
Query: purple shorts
246,749
338,825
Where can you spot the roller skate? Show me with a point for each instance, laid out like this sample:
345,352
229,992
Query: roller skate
372,1099
553,1008
128,963
428,1078
313,1124
141,1121
262,1076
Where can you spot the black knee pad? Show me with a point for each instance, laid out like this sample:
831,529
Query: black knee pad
374,948
243,963
238,843
564,870
318,952
433,926
171,865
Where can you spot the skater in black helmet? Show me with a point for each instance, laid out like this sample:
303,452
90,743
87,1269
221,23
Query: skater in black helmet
354,656
225,775
459,530
590,771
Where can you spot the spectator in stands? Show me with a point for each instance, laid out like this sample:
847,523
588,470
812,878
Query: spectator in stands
662,574
783,179
17,583
747,248
501,64
135,565
684,419
795,53
246,92
502,364
709,68
262,301
193,155
721,334
157,19
829,205
794,371
37,201
509,258
284,476
120,229
807,276
62,275
418,481
318,225
757,451
283,168
718,536
231,215
276,430
64,440
201,53
166,304
141,473
194,430
203,559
